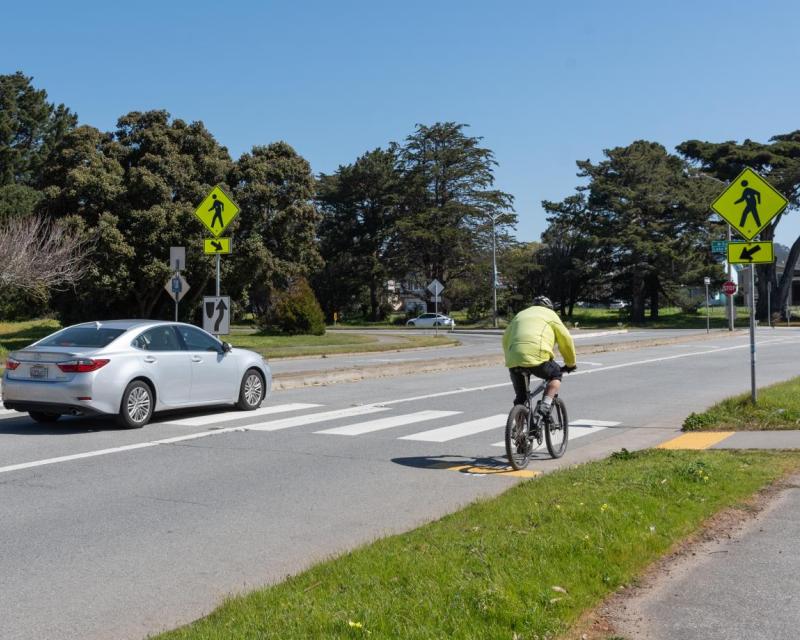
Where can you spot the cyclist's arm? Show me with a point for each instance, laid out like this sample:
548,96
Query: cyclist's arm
565,343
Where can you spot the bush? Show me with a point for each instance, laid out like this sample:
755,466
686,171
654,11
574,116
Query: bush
294,312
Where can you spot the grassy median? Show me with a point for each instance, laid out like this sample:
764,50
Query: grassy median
778,408
526,564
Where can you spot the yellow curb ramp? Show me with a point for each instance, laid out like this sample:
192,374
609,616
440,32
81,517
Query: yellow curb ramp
696,440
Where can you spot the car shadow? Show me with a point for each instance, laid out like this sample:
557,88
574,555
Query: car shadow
72,425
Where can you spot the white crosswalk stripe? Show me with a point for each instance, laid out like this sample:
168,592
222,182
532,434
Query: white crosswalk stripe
299,421
459,430
578,429
388,423
10,413
230,416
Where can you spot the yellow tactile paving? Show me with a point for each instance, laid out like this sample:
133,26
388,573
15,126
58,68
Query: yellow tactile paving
696,440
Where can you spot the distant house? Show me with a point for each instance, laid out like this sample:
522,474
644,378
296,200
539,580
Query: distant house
409,297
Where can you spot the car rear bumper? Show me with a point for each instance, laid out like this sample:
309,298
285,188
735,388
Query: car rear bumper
54,397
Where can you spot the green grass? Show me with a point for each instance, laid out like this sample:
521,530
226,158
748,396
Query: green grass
777,408
17,335
331,343
669,318
526,564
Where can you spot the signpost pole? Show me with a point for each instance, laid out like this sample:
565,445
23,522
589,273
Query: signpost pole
731,304
217,276
753,393
707,281
769,304
176,305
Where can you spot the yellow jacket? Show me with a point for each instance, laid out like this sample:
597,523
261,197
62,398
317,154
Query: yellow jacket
529,339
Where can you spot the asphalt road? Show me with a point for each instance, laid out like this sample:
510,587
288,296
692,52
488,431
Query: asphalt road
117,534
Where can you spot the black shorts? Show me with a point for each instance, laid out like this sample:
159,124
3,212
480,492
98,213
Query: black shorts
549,370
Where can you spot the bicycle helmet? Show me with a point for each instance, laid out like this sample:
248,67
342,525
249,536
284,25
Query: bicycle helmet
543,301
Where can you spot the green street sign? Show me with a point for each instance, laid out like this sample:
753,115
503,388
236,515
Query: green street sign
719,246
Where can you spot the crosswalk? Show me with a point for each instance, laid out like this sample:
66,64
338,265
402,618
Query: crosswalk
358,421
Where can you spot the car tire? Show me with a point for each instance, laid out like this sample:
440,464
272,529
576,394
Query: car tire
252,391
411,323
136,407
44,417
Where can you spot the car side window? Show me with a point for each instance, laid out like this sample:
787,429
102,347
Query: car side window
196,340
158,339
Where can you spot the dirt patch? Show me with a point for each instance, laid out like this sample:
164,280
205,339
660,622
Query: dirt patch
618,616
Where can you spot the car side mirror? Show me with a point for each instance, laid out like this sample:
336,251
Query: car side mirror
226,347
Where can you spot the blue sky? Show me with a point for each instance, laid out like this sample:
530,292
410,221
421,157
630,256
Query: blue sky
544,83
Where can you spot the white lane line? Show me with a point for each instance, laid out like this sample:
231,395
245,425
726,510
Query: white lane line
575,432
230,416
388,423
583,373
105,452
460,430
300,421
583,422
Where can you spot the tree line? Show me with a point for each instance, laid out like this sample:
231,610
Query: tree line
637,228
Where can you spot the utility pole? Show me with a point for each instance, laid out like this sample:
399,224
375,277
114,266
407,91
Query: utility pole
494,272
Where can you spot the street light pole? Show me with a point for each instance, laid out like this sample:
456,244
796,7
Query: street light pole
494,272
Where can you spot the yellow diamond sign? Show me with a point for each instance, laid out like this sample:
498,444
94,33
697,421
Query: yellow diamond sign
217,211
749,204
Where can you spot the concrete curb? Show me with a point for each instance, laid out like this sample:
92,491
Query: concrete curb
299,379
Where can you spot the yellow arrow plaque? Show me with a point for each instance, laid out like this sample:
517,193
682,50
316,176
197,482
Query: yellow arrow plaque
750,253
749,204
217,211
217,245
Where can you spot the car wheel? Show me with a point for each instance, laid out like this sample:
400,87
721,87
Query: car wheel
136,407
251,392
44,417
411,323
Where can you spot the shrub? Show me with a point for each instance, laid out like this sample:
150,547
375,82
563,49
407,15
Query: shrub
294,312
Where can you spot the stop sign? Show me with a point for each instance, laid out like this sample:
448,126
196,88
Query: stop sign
729,288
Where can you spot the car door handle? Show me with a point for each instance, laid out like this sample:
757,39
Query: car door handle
149,359
196,359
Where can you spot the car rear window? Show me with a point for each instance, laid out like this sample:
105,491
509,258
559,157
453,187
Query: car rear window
82,337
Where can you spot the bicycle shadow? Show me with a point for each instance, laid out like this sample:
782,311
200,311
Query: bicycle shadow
494,465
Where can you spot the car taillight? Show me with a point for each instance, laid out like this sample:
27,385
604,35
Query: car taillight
82,365
12,364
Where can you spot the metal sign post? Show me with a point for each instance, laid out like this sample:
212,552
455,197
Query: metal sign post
707,281
436,288
753,392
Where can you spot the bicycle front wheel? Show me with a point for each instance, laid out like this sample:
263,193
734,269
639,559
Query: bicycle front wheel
556,431
518,445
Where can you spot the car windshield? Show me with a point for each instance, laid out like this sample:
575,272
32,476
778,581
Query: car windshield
91,336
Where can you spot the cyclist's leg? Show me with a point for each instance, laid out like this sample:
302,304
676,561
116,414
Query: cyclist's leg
520,382
551,372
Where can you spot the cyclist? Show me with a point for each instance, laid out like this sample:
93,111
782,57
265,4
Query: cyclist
528,347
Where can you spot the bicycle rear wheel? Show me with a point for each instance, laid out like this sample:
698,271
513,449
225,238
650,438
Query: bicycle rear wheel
518,445
556,431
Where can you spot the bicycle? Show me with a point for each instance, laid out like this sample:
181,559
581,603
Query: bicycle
525,425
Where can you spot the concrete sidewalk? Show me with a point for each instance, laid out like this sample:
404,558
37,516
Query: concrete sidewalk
744,584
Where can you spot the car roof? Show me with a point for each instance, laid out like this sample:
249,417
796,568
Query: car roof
119,324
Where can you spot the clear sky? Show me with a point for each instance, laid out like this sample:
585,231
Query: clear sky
543,82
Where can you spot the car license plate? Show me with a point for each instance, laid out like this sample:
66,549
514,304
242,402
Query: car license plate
38,371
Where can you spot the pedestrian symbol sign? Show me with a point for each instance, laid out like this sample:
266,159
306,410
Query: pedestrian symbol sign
751,253
749,204
217,245
217,211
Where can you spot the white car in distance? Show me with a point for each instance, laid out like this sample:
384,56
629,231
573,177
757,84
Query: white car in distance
432,320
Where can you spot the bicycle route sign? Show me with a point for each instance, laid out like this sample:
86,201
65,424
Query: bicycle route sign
217,211
749,204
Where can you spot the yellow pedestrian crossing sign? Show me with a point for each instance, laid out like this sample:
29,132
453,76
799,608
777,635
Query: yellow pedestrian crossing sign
751,253
217,211
217,245
749,204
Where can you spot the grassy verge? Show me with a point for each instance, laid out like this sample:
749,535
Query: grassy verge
526,564
332,343
778,408
17,335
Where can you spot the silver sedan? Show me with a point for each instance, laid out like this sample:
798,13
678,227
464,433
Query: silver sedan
129,369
